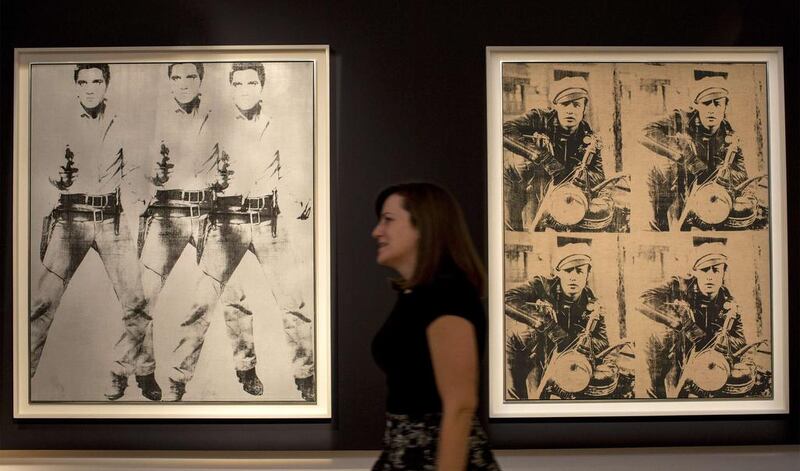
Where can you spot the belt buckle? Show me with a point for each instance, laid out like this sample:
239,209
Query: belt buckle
254,203
96,200
257,217
192,209
192,196
95,213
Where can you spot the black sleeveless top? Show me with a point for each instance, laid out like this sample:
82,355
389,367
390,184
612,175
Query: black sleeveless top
400,347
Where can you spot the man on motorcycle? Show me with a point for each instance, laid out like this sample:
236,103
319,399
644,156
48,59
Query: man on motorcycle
693,311
695,142
553,142
562,306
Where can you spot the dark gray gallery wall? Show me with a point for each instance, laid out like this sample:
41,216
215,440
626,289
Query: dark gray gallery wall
408,102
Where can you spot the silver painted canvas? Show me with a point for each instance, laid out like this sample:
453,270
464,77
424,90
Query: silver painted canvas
172,232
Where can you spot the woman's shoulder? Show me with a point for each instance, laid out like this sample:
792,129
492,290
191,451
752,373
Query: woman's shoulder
450,293
450,283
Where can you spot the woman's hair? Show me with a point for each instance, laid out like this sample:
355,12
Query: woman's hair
444,241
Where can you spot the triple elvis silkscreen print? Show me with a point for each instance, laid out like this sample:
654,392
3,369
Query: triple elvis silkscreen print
633,232
175,209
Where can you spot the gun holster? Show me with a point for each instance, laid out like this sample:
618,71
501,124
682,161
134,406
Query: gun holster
202,233
274,223
144,226
117,212
48,224
116,222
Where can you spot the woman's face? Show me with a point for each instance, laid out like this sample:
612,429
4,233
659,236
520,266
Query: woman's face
397,237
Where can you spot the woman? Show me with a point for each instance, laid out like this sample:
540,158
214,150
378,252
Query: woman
431,343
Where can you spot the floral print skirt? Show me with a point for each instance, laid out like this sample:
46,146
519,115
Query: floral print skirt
409,444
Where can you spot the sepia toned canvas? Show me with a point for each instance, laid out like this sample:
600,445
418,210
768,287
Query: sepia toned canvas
638,234
701,318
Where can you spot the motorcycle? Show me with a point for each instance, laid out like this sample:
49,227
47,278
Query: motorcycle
714,370
714,203
577,372
572,205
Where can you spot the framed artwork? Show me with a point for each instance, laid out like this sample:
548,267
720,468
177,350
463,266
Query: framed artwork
171,233
637,232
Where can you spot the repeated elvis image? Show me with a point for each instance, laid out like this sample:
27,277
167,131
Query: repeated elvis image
198,168
180,197
89,177
555,175
557,342
246,217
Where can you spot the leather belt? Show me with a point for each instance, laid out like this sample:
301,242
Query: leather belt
181,203
106,201
84,215
246,217
194,211
229,202
251,210
261,202
191,196
251,202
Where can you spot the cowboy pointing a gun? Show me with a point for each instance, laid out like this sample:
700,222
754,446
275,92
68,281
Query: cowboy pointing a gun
92,181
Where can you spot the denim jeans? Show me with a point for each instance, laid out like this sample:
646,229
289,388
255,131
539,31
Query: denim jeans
69,242
226,243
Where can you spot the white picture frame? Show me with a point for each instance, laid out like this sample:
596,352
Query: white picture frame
273,404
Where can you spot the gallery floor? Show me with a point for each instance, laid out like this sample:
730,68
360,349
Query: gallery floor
773,458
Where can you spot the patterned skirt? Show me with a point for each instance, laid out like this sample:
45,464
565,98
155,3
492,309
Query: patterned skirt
409,444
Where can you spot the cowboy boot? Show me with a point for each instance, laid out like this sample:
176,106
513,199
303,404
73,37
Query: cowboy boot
175,392
307,388
150,388
250,382
117,387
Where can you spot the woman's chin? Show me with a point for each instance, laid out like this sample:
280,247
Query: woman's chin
385,261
